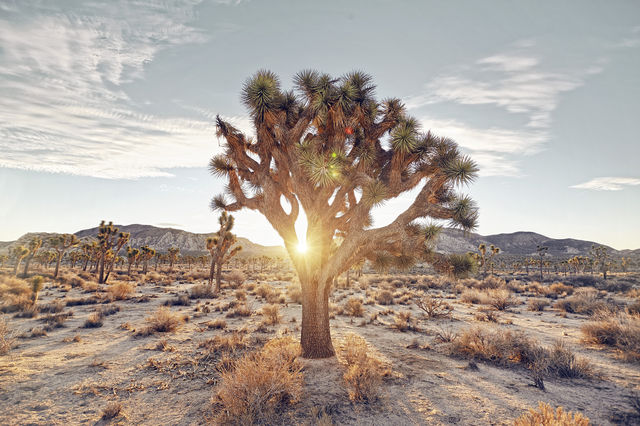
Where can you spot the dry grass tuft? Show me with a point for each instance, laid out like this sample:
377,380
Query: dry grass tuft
384,297
6,339
112,410
95,320
202,291
620,331
538,305
546,415
365,370
217,324
225,344
261,385
403,321
585,301
506,348
162,321
353,307
294,292
120,291
434,308
271,314
235,278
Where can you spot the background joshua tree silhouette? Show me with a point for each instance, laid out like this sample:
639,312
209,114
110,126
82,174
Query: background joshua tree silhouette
61,244
173,256
132,257
220,247
19,253
33,246
146,254
109,244
334,151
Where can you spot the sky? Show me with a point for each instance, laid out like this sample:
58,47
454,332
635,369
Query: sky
106,108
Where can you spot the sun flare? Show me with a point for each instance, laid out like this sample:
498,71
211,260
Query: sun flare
302,247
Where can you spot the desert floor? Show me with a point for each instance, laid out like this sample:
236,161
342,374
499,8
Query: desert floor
70,374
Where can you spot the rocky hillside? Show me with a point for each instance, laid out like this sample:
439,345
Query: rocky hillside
450,241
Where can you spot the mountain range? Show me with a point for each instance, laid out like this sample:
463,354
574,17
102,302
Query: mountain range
515,244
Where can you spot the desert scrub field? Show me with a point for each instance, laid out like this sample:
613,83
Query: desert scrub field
408,345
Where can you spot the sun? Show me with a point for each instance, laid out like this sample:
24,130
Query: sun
302,246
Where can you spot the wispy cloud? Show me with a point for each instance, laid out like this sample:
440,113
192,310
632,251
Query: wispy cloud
64,107
608,183
516,82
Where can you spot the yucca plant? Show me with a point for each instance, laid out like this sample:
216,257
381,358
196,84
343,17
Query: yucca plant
331,149
61,244
110,241
19,253
34,245
37,282
221,247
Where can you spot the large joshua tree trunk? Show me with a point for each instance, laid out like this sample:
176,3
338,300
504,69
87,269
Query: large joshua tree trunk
212,271
315,337
218,277
55,274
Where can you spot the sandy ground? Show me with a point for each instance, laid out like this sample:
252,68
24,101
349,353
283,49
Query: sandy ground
54,379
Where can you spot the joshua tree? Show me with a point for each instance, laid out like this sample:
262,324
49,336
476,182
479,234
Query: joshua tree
146,254
542,251
19,253
494,252
601,258
74,257
37,282
61,244
482,258
34,245
173,256
336,152
109,244
132,257
4,258
220,247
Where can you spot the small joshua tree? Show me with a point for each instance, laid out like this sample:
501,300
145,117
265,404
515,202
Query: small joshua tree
173,256
542,251
34,245
4,258
146,254
61,244
601,258
132,257
37,282
494,252
335,152
109,244
19,253
221,248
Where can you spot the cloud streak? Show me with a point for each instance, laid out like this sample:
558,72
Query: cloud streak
64,108
607,183
514,82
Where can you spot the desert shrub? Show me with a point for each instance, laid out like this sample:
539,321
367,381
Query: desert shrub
546,415
538,305
620,331
181,300
110,309
202,291
583,281
120,290
633,308
162,320
261,385
404,321
384,297
515,348
218,324
271,314
265,291
56,320
516,286
95,320
487,315
491,282
82,301
12,286
52,308
235,278
462,265
561,289
6,339
232,343
365,370
353,307
501,299
112,410
240,310
152,277
294,292
585,301
475,297
241,295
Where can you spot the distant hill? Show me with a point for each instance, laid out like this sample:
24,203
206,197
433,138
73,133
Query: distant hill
450,241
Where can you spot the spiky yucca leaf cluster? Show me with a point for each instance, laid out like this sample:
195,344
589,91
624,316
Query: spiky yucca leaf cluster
331,148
